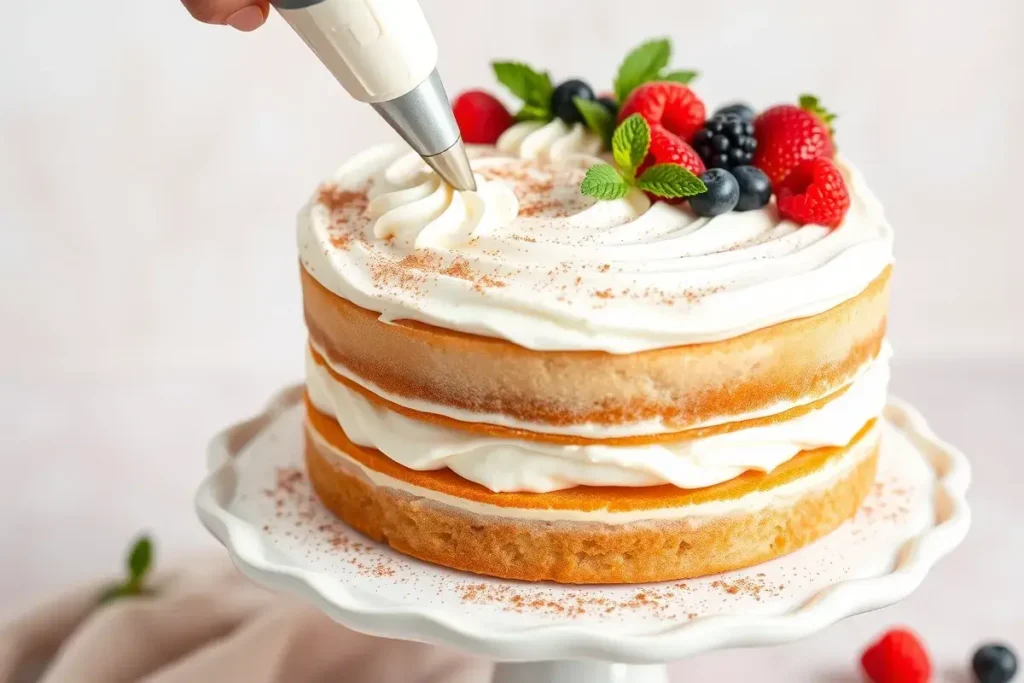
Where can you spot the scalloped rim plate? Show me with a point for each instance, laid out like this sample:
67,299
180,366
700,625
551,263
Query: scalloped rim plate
254,553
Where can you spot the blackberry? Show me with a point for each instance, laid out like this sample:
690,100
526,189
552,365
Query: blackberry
726,141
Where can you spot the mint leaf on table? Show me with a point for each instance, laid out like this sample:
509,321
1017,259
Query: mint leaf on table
670,180
597,117
630,143
641,65
604,182
679,76
138,564
531,86
139,559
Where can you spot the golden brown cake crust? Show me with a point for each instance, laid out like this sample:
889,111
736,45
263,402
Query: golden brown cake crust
684,386
585,552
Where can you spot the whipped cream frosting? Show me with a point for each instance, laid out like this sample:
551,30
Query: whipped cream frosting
695,513
554,270
519,465
554,140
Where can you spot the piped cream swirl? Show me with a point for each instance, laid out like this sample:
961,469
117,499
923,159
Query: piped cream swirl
561,271
553,140
413,208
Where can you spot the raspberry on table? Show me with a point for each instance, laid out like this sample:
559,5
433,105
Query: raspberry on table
898,657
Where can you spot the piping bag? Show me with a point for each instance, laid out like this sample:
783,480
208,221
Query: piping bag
383,53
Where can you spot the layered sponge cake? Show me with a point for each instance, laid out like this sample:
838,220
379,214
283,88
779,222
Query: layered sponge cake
532,382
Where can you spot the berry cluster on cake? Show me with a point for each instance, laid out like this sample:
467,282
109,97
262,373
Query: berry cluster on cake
649,346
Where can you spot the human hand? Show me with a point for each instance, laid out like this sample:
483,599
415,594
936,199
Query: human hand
244,15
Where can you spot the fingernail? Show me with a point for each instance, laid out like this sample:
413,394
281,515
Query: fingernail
247,19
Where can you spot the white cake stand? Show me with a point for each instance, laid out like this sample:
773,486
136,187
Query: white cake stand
257,502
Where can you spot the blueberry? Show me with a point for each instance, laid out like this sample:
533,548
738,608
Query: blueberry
610,104
722,195
562,100
742,110
994,664
755,188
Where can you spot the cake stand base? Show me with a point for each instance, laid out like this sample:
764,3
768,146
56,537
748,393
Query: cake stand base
579,672
258,503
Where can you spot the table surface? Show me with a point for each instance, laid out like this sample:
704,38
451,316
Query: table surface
96,459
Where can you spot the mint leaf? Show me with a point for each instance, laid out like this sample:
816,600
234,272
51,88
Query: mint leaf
139,559
679,76
670,180
597,118
643,64
532,87
604,182
111,593
531,112
630,143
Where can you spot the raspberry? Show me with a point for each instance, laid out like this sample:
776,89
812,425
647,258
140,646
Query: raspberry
898,657
482,118
667,148
668,104
814,192
788,135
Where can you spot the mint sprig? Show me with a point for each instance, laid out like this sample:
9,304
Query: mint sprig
630,143
604,182
533,87
598,119
683,77
138,564
647,63
670,181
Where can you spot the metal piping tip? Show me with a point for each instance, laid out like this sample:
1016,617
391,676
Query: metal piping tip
453,167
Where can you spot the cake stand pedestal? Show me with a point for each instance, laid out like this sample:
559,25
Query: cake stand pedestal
257,502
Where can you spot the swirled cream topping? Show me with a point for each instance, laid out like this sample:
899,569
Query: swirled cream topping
529,259
553,140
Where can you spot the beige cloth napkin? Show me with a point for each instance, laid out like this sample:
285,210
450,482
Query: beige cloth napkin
209,623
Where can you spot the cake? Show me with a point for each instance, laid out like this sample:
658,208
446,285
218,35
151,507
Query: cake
574,374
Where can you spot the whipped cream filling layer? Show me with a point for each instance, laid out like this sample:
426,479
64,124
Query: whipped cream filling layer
589,430
695,513
555,270
506,465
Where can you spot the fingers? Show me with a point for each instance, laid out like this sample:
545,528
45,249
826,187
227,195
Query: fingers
244,15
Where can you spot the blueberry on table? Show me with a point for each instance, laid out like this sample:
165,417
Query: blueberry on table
755,188
562,99
743,111
721,197
994,664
